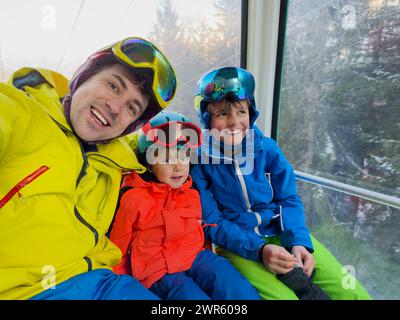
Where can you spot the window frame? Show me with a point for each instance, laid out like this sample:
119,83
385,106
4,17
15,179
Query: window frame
270,78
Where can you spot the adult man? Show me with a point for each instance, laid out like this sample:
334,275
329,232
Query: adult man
60,169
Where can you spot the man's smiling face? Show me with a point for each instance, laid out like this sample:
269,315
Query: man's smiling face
106,104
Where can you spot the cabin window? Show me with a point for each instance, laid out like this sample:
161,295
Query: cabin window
339,119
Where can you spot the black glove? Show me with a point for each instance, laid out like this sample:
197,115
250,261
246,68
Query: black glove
302,285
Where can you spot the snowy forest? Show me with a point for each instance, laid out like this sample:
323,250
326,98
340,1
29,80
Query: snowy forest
195,50
340,119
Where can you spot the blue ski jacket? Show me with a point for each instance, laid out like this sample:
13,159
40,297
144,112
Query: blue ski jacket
249,196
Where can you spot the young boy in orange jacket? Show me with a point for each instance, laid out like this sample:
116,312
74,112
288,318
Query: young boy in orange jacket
158,224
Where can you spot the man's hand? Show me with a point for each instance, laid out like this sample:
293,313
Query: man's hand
277,259
306,259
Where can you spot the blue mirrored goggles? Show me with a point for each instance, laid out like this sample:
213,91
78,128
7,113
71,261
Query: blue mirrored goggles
215,85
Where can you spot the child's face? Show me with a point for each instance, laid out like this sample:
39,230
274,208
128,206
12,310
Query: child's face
173,167
231,119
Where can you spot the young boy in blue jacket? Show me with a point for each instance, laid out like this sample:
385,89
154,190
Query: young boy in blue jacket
248,190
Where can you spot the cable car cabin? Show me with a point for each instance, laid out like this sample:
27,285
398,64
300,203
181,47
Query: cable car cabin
327,89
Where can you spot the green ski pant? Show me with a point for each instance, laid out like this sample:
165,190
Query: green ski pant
329,275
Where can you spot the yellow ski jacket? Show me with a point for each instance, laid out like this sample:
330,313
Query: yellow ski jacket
56,201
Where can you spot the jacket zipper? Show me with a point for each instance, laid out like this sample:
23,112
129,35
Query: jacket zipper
87,224
281,217
268,174
77,214
89,262
85,164
167,199
82,172
80,176
27,180
246,197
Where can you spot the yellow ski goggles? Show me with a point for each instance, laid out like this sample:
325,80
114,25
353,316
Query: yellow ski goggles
139,53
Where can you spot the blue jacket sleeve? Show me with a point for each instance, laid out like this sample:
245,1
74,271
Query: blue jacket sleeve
294,230
225,234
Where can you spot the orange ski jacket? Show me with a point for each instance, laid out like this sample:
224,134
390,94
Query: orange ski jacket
157,228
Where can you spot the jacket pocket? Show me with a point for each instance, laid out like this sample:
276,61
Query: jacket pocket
180,221
20,185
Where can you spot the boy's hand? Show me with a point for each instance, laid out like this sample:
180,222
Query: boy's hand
277,259
305,258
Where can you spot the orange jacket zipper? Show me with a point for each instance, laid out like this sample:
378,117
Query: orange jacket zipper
22,184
